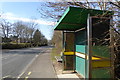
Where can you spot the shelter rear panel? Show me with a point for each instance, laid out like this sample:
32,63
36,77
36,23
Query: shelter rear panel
100,49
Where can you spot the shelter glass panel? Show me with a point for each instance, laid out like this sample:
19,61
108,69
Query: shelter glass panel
100,48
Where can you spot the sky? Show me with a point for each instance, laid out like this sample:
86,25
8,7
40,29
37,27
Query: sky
26,11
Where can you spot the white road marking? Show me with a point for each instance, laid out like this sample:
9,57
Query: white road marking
6,76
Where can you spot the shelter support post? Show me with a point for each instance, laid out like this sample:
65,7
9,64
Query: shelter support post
89,48
63,50
74,56
112,47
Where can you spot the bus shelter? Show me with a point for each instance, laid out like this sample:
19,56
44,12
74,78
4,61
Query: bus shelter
86,41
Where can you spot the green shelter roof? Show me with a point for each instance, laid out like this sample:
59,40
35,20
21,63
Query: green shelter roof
75,18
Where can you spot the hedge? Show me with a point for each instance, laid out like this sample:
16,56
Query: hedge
15,46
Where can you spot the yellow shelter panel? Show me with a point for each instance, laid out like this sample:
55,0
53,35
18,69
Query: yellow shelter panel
96,58
68,53
100,63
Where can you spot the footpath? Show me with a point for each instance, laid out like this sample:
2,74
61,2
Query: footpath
43,67
40,68
64,75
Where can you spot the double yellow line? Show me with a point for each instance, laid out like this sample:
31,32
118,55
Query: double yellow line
29,73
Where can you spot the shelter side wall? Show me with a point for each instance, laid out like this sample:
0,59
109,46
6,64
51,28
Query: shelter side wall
101,73
80,49
80,66
100,37
80,42
101,51
100,48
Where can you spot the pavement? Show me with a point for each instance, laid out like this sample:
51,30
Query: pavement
68,75
64,75
43,67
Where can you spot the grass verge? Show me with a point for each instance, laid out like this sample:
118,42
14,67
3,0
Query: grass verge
54,53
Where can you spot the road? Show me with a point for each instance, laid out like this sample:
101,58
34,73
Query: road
15,62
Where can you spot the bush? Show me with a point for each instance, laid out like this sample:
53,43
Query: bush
15,46
20,45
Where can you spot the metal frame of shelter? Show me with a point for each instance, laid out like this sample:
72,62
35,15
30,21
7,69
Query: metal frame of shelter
80,54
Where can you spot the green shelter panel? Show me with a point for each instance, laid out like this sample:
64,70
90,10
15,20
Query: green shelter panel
69,42
101,73
86,68
81,48
75,18
80,66
81,37
80,41
101,51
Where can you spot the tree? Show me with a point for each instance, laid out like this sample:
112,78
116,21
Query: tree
19,30
44,41
6,28
24,31
32,25
37,37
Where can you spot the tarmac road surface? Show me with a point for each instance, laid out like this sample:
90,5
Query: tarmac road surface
16,62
